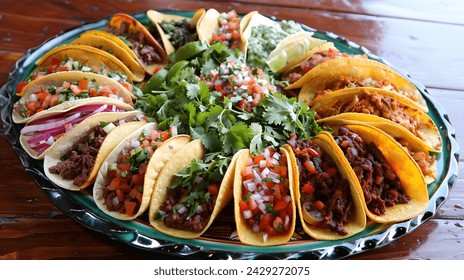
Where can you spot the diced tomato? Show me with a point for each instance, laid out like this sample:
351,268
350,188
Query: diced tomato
308,188
331,171
243,205
92,92
266,220
257,159
164,136
276,192
281,204
133,193
120,194
139,197
76,90
252,205
83,84
114,185
54,100
319,205
309,165
46,101
104,92
124,167
137,179
20,86
32,105
312,152
248,170
213,189
130,207
55,61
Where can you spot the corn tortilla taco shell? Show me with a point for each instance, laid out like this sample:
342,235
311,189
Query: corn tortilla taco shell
356,221
65,144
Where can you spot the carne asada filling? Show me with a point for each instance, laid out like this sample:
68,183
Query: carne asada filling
380,185
138,43
191,199
179,33
379,105
78,163
322,187
348,82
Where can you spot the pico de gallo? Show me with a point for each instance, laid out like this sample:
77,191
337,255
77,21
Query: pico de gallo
266,203
244,86
45,98
229,30
126,176
190,200
325,196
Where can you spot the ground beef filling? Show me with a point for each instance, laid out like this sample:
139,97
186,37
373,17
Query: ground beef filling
381,187
195,223
77,164
138,43
330,187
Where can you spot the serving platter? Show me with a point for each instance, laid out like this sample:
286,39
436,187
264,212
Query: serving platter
220,241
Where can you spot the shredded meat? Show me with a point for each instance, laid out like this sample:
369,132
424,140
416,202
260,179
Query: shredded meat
381,187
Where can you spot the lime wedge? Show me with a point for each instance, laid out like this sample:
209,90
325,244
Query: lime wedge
155,81
278,61
191,49
310,214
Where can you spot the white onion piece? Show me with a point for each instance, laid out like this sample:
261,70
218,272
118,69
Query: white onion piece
256,176
266,198
256,227
265,172
134,143
109,127
251,186
50,140
115,201
267,153
161,212
276,156
247,214
286,222
265,235
262,207
199,209
245,183
174,131
182,210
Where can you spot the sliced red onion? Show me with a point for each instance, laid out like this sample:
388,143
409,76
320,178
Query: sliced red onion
32,128
101,109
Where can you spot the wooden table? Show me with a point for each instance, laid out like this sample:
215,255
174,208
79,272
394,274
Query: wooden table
425,39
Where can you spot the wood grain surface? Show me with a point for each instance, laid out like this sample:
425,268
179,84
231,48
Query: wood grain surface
423,38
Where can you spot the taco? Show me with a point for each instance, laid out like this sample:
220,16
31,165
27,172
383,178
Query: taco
82,58
125,180
292,50
384,104
264,206
43,130
61,90
73,161
190,192
174,30
114,46
352,72
329,204
136,36
391,183
226,28
423,155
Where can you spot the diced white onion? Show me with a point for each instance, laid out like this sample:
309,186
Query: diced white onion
199,209
161,212
267,153
108,128
134,143
276,156
182,210
255,227
265,235
262,163
247,214
115,201
85,69
122,121
266,198
274,161
173,130
262,207
33,97
286,222
251,186
50,140
265,172
249,98
256,176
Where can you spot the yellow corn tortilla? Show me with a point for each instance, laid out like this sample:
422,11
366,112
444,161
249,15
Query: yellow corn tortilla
357,217
393,129
65,144
244,231
193,150
160,157
57,79
343,101
114,46
157,17
325,75
405,168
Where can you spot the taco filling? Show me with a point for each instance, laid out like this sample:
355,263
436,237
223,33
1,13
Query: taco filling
229,30
137,42
78,163
45,98
127,175
316,59
266,204
345,82
179,33
380,185
384,106
242,85
191,199
424,160
325,196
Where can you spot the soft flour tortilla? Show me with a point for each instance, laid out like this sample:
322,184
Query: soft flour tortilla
193,150
244,231
65,144
160,157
